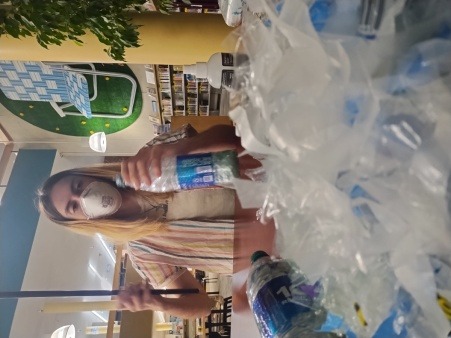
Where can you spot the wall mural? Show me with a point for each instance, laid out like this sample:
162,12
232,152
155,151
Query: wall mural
71,99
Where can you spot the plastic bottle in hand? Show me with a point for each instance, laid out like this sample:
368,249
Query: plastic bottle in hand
193,171
284,303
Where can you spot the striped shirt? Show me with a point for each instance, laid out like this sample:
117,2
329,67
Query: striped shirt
205,245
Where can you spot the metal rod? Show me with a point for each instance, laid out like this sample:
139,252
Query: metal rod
83,293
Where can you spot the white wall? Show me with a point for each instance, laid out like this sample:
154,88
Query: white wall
59,260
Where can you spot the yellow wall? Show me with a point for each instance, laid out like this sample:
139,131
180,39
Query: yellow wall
177,39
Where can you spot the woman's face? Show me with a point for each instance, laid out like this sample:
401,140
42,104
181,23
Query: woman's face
65,196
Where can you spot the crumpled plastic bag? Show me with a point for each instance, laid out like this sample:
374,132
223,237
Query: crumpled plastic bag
357,162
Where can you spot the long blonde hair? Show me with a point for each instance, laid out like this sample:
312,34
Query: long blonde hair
117,230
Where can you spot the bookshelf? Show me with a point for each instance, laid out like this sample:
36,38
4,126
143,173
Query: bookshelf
164,88
178,90
196,6
184,94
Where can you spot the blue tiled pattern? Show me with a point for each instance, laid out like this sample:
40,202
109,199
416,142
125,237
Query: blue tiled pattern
77,88
35,81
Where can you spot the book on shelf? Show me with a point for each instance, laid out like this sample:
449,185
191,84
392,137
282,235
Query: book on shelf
165,86
179,96
165,95
167,112
203,110
177,68
204,87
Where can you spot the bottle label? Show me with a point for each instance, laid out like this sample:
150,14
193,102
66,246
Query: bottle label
227,77
227,59
195,171
276,308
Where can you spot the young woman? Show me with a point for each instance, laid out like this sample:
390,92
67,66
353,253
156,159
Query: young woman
203,229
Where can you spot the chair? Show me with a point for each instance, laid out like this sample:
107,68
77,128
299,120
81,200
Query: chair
56,82
35,81
200,275
206,281
219,321
69,66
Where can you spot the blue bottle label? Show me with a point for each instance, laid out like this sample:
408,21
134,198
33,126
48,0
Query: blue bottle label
275,306
195,171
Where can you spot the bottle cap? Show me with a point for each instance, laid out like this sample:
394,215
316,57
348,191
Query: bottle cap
257,255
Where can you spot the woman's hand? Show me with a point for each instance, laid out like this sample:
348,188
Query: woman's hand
136,169
137,297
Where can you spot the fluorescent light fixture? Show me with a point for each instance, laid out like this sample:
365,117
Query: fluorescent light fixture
95,271
106,248
98,315
160,316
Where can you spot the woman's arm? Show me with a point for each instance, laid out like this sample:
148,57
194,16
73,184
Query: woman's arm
217,138
138,298
135,170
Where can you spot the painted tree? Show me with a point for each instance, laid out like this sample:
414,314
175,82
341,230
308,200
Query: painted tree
55,21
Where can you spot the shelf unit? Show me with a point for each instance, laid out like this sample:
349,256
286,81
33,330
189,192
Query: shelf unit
203,97
196,6
178,90
191,95
165,90
184,94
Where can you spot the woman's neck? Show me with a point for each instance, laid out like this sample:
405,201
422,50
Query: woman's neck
130,206
135,205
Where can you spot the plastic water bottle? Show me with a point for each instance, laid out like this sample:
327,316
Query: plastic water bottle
320,11
423,63
193,171
285,304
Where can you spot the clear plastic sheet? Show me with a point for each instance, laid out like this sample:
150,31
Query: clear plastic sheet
357,157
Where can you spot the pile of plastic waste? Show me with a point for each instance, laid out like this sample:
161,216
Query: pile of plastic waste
349,105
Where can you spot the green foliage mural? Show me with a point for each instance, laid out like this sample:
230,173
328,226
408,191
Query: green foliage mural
54,21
